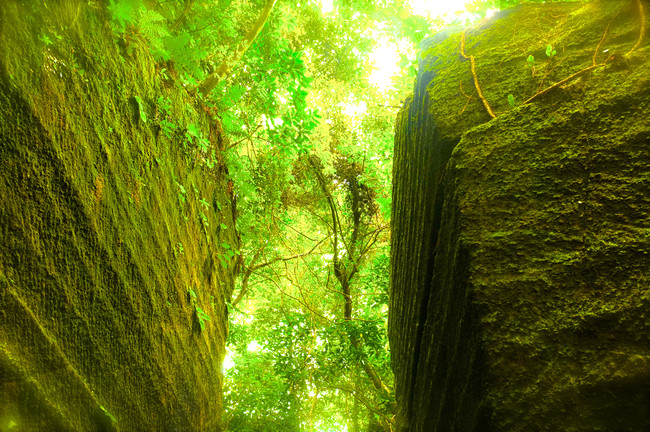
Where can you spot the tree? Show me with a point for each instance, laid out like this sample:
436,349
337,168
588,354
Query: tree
311,183
226,65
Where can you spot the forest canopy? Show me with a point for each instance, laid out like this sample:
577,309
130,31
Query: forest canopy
306,93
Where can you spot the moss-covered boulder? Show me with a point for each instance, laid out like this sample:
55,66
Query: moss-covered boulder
115,231
520,291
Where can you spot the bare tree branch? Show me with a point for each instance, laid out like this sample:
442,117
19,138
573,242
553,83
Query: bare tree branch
251,268
211,81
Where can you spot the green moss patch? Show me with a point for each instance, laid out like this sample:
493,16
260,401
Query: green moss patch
519,290
107,222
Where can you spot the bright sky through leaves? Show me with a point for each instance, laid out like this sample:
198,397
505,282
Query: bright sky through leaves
326,6
386,56
436,8
296,355
385,62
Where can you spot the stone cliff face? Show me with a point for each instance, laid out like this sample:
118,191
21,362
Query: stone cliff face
521,244
111,234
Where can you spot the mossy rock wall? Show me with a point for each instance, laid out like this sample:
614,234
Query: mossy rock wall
520,290
106,225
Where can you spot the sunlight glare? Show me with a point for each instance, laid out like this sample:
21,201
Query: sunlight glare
436,8
326,6
228,362
384,59
354,110
254,346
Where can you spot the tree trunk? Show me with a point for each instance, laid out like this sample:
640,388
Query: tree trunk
355,414
210,82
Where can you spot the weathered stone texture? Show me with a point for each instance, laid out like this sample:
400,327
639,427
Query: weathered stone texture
520,291
101,234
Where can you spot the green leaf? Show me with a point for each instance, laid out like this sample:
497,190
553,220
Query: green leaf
550,51
113,419
204,218
151,25
385,207
193,131
202,315
164,103
204,144
511,100
167,128
123,12
234,94
45,39
143,114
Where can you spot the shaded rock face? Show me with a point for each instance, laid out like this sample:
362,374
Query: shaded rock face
111,234
520,290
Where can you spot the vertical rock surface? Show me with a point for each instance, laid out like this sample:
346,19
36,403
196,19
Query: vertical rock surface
520,284
111,234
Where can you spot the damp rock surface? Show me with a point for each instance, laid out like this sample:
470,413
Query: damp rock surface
521,244
111,234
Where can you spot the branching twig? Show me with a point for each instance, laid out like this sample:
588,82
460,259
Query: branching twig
296,231
575,75
211,81
642,31
186,10
247,274
249,137
600,42
300,255
284,293
336,222
251,268
472,63
469,98
358,397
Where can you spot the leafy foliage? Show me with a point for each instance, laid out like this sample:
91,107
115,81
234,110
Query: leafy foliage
309,156
123,12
